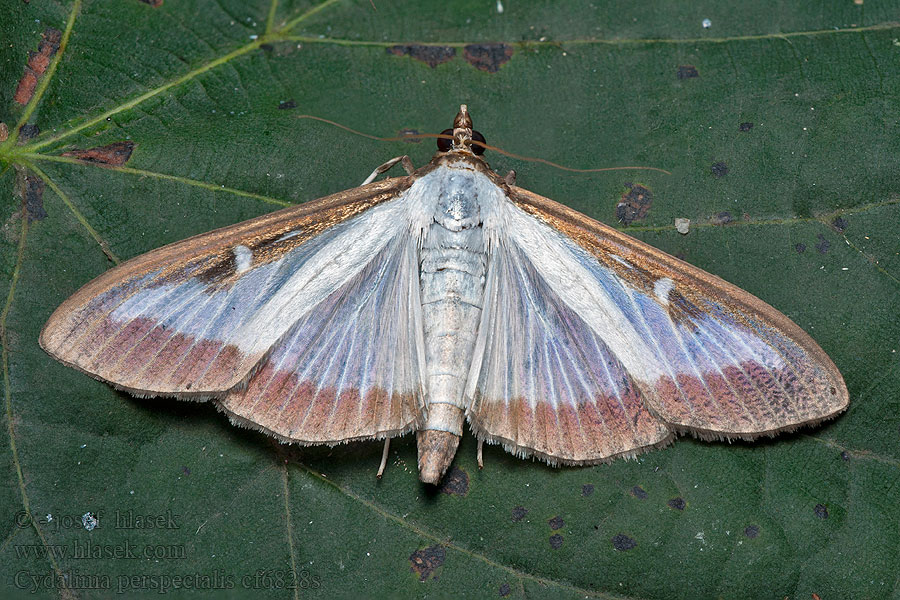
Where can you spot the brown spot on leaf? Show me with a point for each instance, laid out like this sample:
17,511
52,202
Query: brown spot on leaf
287,104
840,224
745,127
153,3
37,64
426,561
556,541
820,511
639,493
687,72
721,218
556,523
488,57
677,503
634,204
115,154
4,132
622,542
751,531
823,245
31,190
587,489
456,482
504,590
518,513
719,169
845,456
25,89
430,55
800,248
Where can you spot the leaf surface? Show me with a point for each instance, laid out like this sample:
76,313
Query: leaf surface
778,126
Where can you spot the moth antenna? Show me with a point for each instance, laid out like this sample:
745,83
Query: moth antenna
480,144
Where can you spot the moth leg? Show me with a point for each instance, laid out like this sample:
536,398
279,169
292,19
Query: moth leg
384,456
403,160
510,178
480,455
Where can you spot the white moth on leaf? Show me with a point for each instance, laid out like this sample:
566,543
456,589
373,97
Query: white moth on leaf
449,294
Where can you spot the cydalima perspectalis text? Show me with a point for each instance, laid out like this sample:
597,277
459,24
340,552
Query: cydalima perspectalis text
450,294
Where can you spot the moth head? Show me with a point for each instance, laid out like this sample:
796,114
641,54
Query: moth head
461,138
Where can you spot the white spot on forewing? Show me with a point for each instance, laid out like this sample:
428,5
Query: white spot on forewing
661,288
243,258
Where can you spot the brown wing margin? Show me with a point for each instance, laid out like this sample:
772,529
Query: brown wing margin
79,335
813,389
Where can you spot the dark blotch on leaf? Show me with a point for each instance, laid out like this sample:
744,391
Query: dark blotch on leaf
153,3
28,131
751,531
31,189
488,57
822,245
430,55
719,169
639,493
845,455
456,482
634,204
622,542
721,218
677,503
556,523
115,154
504,590
800,248
745,126
287,104
840,224
587,489
687,72
425,561
556,541
820,511
518,513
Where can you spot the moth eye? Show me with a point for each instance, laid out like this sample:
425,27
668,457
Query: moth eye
444,144
478,149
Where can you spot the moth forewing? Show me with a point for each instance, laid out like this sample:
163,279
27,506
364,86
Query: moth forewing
416,302
734,367
169,322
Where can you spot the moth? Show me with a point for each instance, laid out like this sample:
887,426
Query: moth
418,302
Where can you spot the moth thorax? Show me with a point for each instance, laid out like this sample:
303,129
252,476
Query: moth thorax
458,207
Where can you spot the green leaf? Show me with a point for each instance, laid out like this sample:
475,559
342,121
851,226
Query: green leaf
800,209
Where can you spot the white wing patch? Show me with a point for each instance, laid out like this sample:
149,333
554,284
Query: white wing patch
243,258
661,288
